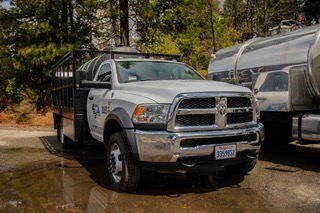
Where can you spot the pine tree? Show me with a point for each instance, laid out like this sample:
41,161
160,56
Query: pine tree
36,33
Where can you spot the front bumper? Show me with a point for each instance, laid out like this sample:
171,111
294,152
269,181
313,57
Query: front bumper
165,147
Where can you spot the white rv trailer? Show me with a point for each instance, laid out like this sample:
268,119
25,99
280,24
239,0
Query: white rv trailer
283,71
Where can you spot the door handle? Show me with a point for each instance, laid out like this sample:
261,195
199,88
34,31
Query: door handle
91,97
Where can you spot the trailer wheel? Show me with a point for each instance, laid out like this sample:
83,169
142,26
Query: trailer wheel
57,119
241,168
64,140
123,169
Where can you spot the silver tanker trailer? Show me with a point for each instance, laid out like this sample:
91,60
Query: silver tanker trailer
283,71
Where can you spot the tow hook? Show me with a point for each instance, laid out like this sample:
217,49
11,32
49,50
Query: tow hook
251,155
188,162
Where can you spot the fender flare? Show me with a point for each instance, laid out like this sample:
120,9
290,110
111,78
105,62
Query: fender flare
122,117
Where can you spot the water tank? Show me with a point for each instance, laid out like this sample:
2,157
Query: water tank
240,63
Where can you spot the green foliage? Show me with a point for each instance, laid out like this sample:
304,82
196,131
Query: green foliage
254,17
12,89
311,8
162,43
6,73
38,34
204,73
34,34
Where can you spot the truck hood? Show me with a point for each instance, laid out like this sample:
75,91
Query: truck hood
166,91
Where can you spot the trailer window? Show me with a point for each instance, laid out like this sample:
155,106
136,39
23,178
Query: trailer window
275,81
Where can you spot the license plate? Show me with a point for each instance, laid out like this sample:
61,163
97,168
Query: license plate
225,151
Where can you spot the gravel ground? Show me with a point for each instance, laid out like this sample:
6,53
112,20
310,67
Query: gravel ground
37,176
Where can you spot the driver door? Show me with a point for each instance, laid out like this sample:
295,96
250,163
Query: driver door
97,103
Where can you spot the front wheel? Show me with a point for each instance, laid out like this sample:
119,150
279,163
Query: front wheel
242,168
123,169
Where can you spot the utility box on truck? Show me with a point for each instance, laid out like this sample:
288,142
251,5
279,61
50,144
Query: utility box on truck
153,112
283,71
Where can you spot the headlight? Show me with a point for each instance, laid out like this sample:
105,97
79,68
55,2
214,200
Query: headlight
151,113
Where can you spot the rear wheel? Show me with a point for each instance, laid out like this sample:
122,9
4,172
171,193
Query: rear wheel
242,168
123,169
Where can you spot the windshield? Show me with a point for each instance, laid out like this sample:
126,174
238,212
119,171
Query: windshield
129,71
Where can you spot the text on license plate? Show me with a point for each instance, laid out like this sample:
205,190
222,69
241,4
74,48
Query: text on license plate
225,151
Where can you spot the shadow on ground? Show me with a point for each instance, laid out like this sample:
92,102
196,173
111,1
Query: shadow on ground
306,157
92,157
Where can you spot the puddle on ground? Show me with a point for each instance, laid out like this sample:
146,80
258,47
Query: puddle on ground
20,149
69,186
76,181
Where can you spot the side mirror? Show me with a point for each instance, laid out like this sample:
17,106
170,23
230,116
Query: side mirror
81,81
95,84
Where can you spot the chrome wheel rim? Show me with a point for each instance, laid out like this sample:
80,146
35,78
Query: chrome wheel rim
115,163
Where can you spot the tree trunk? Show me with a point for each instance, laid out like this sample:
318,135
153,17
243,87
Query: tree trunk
124,23
212,26
115,21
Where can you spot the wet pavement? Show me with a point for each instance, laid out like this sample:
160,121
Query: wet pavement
37,176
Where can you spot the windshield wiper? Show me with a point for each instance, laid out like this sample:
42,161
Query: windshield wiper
147,79
131,81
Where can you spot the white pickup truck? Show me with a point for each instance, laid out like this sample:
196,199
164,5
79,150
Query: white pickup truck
154,114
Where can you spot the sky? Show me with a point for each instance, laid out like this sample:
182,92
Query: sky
5,3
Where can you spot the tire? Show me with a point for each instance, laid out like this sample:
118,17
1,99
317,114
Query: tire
241,168
58,131
123,169
64,140
57,119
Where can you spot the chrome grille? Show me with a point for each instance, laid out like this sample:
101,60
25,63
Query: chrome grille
238,102
205,112
236,118
195,120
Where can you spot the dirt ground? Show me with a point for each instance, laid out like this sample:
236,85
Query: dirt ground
38,120
36,175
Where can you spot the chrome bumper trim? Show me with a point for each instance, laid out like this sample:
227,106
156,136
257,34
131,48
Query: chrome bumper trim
163,146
